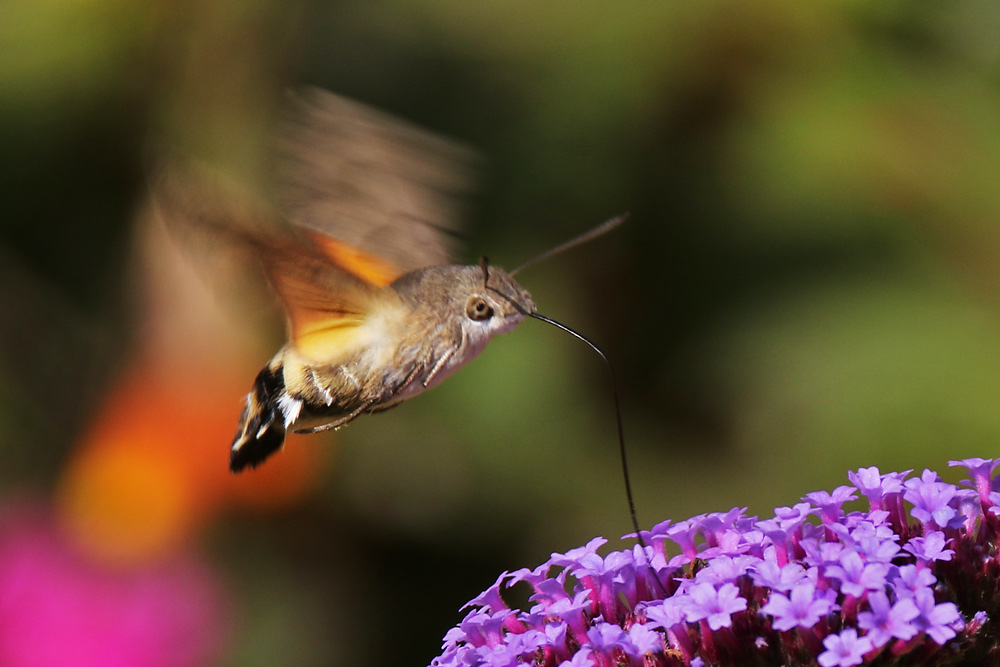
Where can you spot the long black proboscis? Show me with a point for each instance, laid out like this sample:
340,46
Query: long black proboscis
618,418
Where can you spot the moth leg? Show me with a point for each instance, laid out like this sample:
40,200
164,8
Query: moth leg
391,400
437,367
444,360
323,390
337,423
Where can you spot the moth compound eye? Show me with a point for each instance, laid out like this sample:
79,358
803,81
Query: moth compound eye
477,309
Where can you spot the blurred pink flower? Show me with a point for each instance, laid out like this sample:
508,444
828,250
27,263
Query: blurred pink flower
59,609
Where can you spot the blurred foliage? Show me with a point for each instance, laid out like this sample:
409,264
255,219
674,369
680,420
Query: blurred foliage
808,283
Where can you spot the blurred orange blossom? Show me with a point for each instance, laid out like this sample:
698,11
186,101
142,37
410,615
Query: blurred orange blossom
153,467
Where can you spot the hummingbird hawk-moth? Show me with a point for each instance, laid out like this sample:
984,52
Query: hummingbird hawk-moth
357,244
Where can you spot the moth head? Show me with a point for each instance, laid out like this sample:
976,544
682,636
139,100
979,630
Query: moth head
483,300
494,302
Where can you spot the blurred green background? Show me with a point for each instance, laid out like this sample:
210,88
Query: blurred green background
809,282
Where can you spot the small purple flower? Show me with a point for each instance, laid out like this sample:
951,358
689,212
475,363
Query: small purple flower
722,569
994,507
845,649
715,524
970,508
873,549
644,641
607,636
483,628
715,606
656,537
730,542
876,487
573,612
584,557
669,615
885,620
939,621
908,579
526,642
780,535
980,470
768,575
533,577
802,608
490,599
931,497
873,528
683,534
869,482
665,615
822,554
549,592
556,634
979,619
790,518
829,504
930,547
856,576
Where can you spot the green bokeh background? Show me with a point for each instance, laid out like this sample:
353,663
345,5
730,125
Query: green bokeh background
809,282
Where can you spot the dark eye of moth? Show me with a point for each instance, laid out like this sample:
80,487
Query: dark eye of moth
477,309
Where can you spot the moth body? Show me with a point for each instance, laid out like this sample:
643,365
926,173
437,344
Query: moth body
356,239
425,326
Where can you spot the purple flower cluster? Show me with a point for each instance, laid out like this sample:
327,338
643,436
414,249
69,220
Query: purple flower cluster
815,584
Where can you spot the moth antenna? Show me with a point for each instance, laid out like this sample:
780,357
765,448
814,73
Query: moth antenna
618,417
484,264
588,235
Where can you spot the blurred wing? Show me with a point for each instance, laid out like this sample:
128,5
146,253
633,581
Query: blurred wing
384,193
317,280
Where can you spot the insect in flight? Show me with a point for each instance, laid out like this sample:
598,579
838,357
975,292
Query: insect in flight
357,246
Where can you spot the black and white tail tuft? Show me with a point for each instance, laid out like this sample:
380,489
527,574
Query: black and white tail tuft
261,429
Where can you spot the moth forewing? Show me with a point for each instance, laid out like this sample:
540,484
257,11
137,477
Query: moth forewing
375,183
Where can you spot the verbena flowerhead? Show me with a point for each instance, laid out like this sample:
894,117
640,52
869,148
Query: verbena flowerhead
912,579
